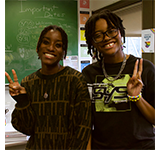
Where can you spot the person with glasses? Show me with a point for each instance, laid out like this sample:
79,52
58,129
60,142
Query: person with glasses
122,88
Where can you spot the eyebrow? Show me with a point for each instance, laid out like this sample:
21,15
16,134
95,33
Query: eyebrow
106,30
49,39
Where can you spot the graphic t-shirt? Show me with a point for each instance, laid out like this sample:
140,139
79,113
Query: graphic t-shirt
117,122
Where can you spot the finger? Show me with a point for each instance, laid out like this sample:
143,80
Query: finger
14,75
8,78
135,68
14,87
13,91
140,81
140,68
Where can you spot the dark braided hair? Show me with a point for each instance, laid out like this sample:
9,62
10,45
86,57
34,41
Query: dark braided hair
113,21
63,34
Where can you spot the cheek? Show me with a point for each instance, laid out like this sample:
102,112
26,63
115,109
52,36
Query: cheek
119,39
61,54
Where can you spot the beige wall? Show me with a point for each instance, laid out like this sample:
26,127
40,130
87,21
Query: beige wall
132,19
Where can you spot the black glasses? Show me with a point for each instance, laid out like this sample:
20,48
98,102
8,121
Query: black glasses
99,36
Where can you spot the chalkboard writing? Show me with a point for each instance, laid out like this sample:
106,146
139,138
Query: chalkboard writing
24,21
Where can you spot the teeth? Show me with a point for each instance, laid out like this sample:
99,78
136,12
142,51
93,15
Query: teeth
49,55
111,44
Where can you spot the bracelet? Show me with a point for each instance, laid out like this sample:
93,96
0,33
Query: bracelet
134,98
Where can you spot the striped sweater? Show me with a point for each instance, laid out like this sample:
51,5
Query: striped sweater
55,112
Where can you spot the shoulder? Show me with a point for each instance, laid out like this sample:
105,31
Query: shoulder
91,67
71,71
148,64
30,77
73,74
148,72
91,71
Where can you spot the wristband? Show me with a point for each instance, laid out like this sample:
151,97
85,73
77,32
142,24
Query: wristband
134,98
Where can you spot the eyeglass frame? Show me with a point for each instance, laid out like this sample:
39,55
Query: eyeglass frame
105,33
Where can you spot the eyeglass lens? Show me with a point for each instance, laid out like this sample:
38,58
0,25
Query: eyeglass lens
99,36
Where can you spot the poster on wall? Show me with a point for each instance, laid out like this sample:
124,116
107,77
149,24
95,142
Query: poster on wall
84,15
148,40
71,61
82,34
84,64
84,50
84,3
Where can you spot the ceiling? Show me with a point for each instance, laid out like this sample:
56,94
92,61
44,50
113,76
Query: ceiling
97,4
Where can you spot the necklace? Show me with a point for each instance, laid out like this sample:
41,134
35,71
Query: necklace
118,75
45,84
46,94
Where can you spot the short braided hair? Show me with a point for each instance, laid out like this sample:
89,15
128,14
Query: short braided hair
112,20
63,34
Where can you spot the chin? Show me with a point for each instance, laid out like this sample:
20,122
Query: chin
110,52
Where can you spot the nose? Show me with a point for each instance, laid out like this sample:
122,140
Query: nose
106,37
51,47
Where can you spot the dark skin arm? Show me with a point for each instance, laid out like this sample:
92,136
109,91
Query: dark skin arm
134,87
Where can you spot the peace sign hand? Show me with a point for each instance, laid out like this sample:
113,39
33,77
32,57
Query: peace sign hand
135,84
14,87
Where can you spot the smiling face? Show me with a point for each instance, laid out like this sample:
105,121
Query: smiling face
51,48
109,46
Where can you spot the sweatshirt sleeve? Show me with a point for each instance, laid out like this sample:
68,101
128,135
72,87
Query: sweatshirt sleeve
81,116
23,115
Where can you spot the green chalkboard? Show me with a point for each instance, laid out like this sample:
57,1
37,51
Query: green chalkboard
24,21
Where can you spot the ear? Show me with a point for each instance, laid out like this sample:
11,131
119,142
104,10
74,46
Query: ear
38,56
63,54
38,53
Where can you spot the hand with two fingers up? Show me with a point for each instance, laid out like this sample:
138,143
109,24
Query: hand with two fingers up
135,84
14,87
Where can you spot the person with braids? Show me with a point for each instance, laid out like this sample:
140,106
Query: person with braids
122,88
53,104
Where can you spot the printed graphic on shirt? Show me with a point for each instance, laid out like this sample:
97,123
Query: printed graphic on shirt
110,96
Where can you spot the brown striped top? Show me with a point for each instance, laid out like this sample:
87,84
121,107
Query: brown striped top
59,120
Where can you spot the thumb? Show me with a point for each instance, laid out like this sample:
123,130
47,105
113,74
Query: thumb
19,89
22,90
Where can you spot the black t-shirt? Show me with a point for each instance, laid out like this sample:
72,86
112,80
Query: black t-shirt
117,122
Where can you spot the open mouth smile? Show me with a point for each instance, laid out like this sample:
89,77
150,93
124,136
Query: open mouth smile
109,45
49,55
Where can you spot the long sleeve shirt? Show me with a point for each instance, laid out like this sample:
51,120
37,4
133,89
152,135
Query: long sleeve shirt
55,112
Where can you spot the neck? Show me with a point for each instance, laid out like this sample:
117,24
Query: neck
115,58
49,70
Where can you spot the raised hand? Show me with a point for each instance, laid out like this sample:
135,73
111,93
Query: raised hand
135,84
14,87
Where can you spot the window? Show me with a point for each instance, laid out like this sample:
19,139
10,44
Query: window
133,46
